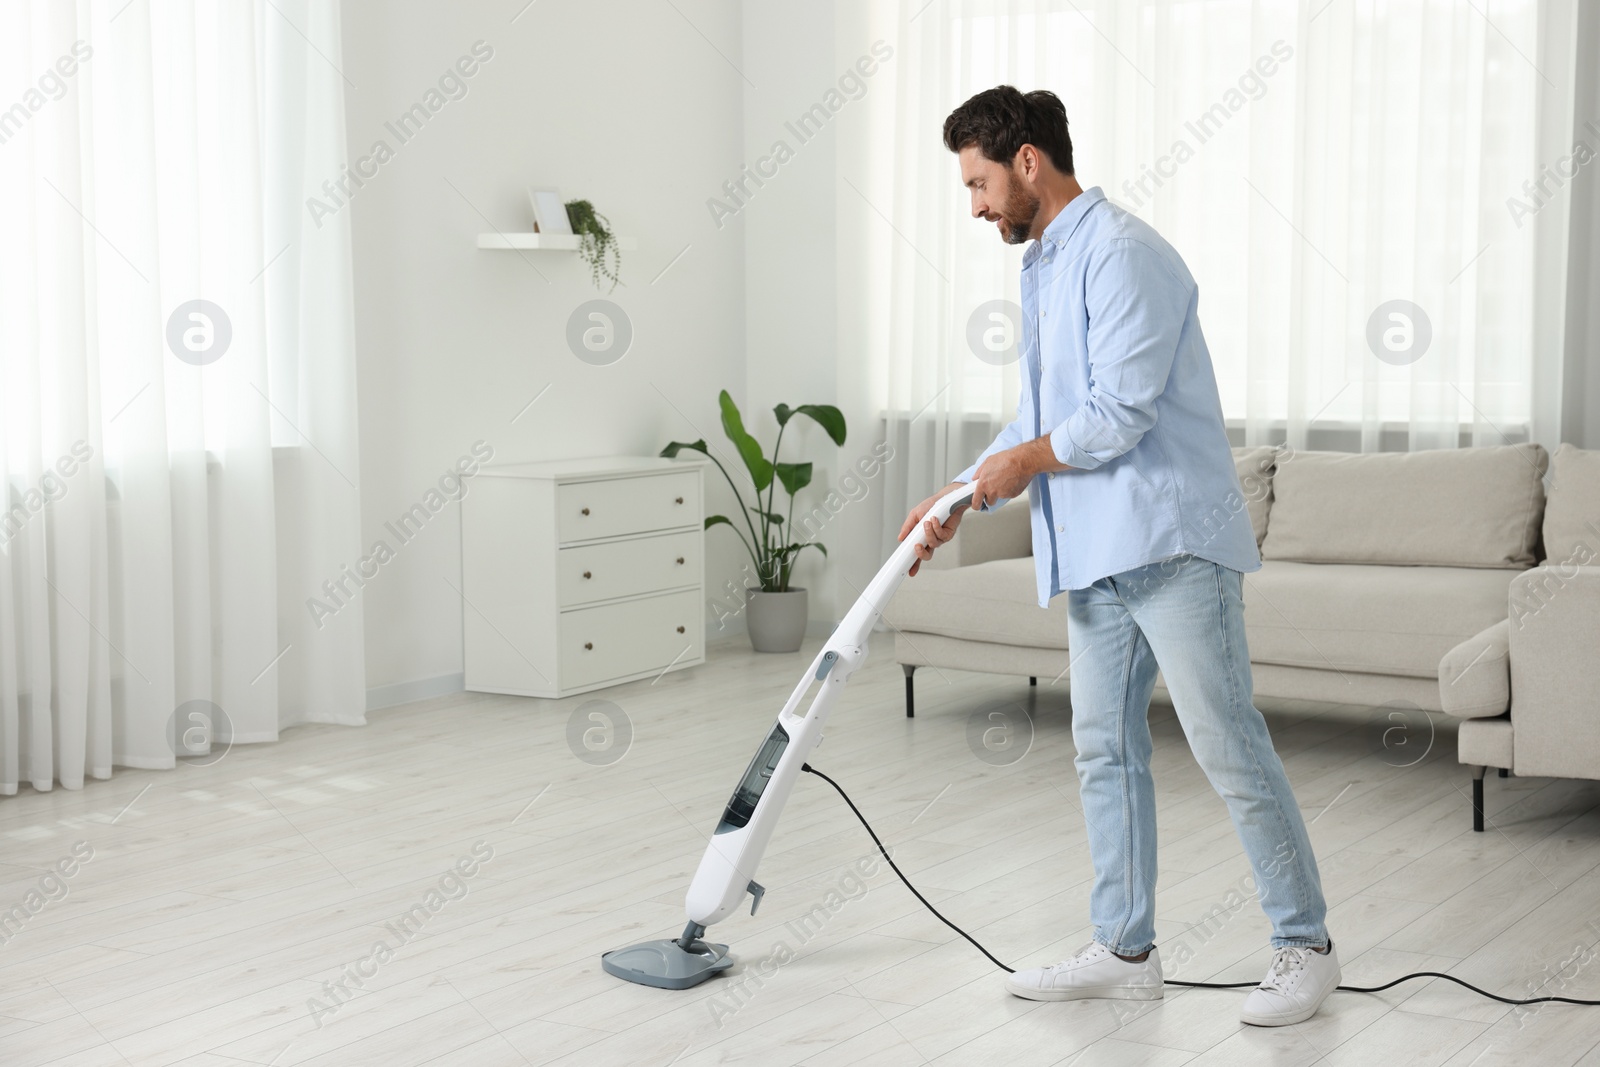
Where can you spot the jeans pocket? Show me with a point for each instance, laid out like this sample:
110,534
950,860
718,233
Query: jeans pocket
1230,588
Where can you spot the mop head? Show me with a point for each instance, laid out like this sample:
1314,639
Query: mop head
666,964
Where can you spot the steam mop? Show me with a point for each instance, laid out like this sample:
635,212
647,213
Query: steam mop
727,870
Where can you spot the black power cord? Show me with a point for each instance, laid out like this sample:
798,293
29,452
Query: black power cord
1171,981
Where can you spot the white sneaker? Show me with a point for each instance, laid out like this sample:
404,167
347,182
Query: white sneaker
1296,984
1094,971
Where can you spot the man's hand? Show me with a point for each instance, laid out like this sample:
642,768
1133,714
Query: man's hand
938,533
1005,475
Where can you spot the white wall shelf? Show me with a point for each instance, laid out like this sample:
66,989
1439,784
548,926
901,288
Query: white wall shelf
546,242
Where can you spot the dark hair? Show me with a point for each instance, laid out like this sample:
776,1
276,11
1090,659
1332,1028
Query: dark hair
1001,120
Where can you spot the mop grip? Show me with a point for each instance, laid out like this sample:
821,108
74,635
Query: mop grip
955,498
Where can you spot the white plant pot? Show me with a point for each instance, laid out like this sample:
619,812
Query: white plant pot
776,621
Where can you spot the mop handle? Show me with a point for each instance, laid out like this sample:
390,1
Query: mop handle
949,502
900,561
869,606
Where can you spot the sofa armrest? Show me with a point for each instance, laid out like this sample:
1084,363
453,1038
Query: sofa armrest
1005,533
1475,676
1555,628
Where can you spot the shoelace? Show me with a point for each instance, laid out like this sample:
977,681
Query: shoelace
1285,962
1088,947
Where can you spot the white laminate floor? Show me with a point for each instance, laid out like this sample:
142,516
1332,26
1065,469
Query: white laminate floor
250,911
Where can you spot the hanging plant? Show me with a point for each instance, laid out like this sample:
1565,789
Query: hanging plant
596,243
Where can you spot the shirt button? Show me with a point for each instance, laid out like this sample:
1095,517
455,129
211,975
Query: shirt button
1061,529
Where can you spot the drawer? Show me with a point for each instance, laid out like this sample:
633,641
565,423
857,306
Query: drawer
616,640
587,510
586,573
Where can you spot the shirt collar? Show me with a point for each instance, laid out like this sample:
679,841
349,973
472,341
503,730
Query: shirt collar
1062,227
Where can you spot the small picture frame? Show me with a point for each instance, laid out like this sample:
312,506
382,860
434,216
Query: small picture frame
549,212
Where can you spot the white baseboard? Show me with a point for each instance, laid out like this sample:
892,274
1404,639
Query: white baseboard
387,696
733,626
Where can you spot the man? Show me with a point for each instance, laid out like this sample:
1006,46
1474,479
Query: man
1138,517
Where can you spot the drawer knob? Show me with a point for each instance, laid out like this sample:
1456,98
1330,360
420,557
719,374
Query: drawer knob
586,574
680,500
680,561
680,629
585,511
588,646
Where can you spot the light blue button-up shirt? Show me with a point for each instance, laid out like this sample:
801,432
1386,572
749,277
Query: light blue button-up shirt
1117,373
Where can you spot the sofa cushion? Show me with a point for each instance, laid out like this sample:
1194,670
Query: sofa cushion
1572,516
996,602
1469,507
1254,466
1486,743
1005,533
1367,618
1475,676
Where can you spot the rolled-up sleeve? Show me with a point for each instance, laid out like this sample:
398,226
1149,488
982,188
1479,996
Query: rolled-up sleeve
1010,436
1136,310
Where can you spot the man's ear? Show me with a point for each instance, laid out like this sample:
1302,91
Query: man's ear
1027,163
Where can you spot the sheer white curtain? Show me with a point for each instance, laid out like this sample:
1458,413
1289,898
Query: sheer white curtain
1311,161
158,549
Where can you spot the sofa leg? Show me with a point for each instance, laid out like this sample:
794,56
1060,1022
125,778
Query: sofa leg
911,699
1032,680
1477,798
1505,772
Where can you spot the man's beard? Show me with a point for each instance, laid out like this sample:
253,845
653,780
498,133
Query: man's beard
1019,211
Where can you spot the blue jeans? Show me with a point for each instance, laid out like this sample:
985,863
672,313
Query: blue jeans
1184,615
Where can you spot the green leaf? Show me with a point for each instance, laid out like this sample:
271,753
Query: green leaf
783,411
749,448
828,417
774,519
794,476
714,520
674,447
792,549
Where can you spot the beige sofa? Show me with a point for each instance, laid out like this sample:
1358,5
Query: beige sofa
1387,579
1527,689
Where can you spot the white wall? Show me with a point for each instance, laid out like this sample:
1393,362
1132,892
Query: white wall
803,346
624,103
789,243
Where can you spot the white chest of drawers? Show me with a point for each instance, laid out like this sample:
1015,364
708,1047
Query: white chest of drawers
579,574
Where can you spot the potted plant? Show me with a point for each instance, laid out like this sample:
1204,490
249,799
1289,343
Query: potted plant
775,612
597,245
